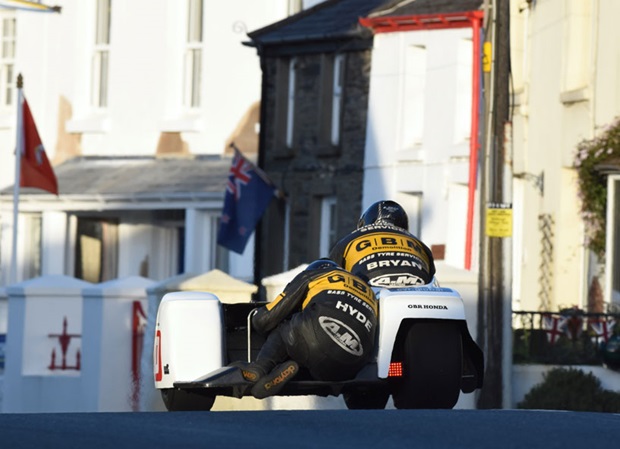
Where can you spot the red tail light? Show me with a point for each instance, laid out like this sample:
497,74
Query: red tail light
396,369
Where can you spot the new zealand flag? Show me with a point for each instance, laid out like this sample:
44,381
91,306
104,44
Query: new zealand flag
248,193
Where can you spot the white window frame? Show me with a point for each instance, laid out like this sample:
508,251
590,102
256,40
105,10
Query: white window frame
101,54
193,54
290,107
337,88
329,227
7,59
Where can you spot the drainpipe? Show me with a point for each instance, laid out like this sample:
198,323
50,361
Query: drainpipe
258,235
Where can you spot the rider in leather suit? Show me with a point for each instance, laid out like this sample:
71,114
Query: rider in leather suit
383,252
324,320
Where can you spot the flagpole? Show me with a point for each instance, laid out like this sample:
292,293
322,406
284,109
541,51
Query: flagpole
18,158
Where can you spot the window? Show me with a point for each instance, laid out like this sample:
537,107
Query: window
193,54
462,109
577,45
7,56
337,86
285,107
96,250
101,57
290,110
331,103
412,203
329,225
414,74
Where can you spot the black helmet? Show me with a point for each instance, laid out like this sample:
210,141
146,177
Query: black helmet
322,263
385,211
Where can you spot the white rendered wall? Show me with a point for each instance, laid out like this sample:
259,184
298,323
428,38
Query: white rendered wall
440,161
556,86
37,308
54,55
199,248
107,341
146,70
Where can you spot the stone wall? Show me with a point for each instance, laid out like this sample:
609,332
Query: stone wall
313,169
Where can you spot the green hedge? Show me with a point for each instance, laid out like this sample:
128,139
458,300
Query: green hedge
571,389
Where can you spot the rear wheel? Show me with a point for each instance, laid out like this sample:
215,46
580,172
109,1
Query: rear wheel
177,400
366,399
432,366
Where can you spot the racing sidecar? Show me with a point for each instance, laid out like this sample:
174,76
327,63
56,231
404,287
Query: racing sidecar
425,355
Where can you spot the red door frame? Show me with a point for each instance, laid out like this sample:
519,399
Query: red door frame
466,19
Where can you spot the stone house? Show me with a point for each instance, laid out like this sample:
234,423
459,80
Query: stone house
350,116
316,68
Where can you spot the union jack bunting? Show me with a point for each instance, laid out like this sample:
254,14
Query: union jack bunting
248,194
574,326
603,327
554,326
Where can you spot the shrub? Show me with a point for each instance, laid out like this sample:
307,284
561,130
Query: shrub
571,389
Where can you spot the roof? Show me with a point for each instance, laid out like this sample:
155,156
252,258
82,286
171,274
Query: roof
329,20
423,7
413,15
324,27
139,177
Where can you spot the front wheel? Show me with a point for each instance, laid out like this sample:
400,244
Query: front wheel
177,400
432,366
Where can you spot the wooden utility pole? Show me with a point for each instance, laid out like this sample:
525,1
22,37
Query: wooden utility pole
495,281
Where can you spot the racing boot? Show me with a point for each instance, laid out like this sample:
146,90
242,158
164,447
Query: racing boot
251,372
273,352
272,383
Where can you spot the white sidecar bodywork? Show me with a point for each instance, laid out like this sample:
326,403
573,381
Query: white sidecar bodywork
424,302
189,337
193,330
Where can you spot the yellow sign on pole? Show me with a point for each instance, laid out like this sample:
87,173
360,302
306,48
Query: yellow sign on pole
486,57
499,220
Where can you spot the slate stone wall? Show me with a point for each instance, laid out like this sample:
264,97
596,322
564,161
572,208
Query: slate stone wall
314,169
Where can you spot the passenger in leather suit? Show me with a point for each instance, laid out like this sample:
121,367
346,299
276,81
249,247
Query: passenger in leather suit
324,320
383,252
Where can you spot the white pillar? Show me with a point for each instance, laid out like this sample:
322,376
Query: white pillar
198,242
54,239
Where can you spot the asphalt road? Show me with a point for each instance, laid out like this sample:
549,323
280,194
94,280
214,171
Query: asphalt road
427,429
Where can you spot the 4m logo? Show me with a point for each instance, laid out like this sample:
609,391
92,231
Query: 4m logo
342,334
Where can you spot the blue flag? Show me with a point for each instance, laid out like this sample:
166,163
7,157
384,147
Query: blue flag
248,193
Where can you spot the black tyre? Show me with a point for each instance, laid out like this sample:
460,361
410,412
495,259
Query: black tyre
366,399
180,400
432,366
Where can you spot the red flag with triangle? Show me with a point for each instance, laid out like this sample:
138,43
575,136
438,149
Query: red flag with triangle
35,169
